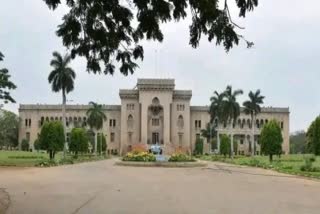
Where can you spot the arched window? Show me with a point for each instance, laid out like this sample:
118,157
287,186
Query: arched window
180,122
239,122
56,118
249,123
266,121
130,121
261,122
243,123
47,118
51,118
257,124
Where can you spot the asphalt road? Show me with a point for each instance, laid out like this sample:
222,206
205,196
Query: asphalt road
102,187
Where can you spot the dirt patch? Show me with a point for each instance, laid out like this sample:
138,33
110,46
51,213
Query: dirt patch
4,201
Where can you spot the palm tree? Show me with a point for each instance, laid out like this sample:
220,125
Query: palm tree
96,116
62,79
252,107
216,112
231,110
208,133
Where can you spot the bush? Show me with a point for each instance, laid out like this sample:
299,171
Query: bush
47,163
225,145
25,145
139,156
179,157
36,145
78,141
308,162
198,150
271,139
52,137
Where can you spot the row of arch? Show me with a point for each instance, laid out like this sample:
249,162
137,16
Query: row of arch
247,122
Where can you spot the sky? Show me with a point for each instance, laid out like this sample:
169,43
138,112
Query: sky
283,64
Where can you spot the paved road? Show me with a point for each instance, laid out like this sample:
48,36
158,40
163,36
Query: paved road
101,187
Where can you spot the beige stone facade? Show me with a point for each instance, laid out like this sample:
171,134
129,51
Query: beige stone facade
153,112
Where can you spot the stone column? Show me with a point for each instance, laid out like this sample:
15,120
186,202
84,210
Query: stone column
144,123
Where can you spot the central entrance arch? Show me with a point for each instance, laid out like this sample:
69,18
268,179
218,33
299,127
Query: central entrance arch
155,122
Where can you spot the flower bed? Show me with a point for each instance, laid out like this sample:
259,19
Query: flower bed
139,157
179,157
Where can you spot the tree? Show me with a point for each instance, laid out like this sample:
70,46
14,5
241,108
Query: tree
216,112
231,110
102,144
313,136
9,129
5,84
198,150
78,141
298,142
62,79
36,145
25,145
52,138
105,31
208,133
252,108
96,116
271,139
225,147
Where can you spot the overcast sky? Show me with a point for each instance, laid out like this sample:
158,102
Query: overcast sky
284,62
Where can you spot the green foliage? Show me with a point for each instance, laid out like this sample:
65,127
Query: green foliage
252,106
5,84
52,137
198,150
208,132
106,32
225,145
36,144
78,141
61,77
25,145
9,129
298,143
96,116
139,156
101,144
180,157
313,137
271,139
308,164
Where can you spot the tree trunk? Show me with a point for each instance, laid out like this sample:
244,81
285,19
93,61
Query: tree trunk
64,100
95,144
218,141
270,157
253,146
231,138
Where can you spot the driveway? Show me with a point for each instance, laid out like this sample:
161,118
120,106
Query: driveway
102,187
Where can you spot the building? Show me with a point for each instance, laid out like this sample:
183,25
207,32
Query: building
153,112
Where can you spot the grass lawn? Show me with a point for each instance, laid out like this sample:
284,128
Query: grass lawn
290,164
29,159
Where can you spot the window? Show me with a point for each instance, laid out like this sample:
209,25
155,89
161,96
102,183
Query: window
42,121
130,106
180,139
130,137
155,122
180,107
28,136
112,123
29,122
68,137
180,122
281,125
198,123
26,122
241,141
112,137
130,121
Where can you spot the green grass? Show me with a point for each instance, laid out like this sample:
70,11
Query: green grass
289,164
30,159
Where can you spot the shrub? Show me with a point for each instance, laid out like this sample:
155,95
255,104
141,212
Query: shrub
139,156
78,141
308,162
36,145
179,157
225,145
101,144
47,163
271,139
25,145
198,150
52,137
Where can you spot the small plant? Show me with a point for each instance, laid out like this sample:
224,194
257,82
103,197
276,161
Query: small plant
179,157
308,162
25,145
139,156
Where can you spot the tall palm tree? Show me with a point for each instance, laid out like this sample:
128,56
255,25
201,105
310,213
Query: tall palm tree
252,107
62,79
216,112
96,116
231,110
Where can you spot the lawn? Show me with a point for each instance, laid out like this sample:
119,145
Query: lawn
29,159
290,164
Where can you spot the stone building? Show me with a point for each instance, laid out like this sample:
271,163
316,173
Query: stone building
153,112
